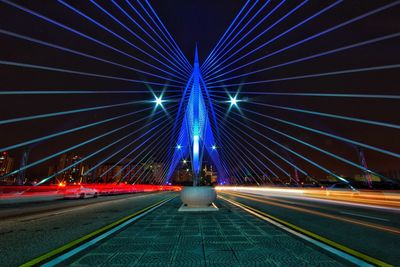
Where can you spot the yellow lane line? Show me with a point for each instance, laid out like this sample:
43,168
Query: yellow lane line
322,239
49,255
318,213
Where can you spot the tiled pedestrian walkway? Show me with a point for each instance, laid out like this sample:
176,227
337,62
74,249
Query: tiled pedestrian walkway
229,237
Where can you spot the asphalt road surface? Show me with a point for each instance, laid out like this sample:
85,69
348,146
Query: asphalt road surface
29,230
372,231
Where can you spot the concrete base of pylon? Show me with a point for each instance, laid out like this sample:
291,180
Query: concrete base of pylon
198,198
211,207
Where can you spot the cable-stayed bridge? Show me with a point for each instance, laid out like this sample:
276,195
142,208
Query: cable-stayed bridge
291,114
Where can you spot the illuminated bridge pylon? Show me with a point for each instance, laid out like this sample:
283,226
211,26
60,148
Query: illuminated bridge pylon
196,135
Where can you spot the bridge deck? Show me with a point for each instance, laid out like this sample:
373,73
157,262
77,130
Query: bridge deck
230,237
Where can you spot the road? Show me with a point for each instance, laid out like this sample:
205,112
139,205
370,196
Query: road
32,229
372,231
229,237
29,230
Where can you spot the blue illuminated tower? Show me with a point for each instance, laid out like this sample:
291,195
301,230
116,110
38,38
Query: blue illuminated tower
196,135
196,118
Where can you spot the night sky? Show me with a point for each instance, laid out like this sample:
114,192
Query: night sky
204,22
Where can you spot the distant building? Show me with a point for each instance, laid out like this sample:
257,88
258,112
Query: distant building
75,174
6,166
6,163
333,179
210,176
183,175
393,174
156,172
362,178
111,172
130,172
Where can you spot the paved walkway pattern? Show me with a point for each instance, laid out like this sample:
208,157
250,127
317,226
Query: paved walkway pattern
229,237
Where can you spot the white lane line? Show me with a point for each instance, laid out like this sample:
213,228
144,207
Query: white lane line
47,214
290,202
339,253
90,243
364,216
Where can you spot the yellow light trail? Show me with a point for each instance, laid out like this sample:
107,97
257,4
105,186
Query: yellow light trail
368,197
318,213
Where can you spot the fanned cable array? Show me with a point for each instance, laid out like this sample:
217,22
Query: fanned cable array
288,95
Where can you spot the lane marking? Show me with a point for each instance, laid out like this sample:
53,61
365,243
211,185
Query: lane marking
95,204
290,202
351,255
364,216
315,206
62,253
37,215
319,213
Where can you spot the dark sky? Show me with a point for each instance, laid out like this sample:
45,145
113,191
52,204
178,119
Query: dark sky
204,22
